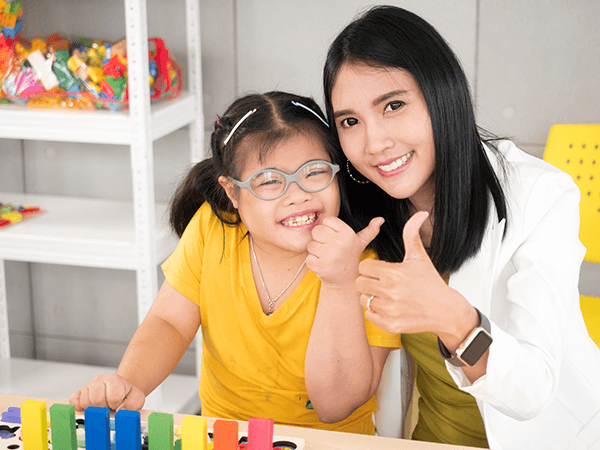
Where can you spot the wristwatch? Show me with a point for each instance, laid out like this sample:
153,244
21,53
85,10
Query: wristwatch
473,347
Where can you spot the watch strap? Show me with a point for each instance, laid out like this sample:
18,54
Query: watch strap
454,360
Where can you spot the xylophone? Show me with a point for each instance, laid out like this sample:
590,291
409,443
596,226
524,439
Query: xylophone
28,428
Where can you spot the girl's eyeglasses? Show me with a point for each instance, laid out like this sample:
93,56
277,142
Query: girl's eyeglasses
269,184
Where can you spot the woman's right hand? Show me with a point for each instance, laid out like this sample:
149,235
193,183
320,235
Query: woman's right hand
112,391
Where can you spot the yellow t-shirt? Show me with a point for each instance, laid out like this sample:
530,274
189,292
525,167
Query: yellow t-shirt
252,364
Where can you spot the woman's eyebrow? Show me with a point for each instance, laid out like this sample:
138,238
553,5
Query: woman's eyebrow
387,96
343,112
377,101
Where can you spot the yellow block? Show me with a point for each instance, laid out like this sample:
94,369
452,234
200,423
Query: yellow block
34,425
13,216
194,433
96,74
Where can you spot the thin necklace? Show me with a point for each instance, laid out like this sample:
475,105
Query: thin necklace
272,302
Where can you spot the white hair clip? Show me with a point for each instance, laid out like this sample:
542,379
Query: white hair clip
237,125
308,109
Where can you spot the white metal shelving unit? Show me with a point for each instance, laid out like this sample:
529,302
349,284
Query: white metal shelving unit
106,234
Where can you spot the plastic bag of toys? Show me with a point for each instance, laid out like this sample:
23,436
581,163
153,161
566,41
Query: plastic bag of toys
81,73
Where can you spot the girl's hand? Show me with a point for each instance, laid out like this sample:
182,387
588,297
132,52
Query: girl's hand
112,391
335,251
411,296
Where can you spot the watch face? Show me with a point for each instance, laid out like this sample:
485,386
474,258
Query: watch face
476,348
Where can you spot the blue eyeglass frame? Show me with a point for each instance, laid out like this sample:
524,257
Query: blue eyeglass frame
289,179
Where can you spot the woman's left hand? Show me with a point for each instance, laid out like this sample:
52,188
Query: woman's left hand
411,296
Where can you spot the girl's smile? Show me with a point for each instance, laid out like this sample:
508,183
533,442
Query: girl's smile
302,220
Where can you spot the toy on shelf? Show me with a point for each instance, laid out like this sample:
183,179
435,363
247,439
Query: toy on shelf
31,427
79,73
11,214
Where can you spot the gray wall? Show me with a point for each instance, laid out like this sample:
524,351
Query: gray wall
531,64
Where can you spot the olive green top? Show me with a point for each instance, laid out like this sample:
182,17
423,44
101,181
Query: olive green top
446,414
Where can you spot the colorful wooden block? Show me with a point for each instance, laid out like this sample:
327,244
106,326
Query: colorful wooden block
97,428
34,425
225,435
160,431
194,435
125,431
260,434
128,430
62,420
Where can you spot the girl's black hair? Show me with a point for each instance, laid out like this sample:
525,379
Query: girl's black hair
391,37
275,120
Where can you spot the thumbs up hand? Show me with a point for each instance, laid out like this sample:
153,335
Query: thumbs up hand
407,297
334,252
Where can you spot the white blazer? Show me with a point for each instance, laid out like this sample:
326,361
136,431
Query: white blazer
542,386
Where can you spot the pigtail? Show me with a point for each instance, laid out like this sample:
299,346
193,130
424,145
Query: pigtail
201,184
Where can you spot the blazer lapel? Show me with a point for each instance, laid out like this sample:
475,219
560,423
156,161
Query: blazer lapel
474,280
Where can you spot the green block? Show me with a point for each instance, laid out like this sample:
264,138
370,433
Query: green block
13,7
160,431
62,420
66,78
118,85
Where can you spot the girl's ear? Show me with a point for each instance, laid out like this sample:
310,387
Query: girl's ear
230,190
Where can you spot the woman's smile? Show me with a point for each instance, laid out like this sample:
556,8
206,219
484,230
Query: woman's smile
388,169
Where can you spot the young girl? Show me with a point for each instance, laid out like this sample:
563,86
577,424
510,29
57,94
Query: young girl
241,270
479,251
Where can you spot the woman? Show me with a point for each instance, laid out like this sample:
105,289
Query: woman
479,251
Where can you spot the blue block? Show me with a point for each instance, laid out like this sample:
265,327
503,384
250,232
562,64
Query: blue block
12,415
97,428
128,430
12,33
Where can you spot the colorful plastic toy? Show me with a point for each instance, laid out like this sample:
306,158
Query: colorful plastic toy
78,73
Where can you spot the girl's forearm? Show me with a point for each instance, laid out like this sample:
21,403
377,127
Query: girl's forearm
152,354
339,364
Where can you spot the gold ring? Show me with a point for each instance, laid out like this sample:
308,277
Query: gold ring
369,303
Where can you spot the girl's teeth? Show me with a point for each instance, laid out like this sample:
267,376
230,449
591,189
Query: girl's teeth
395,164
299,221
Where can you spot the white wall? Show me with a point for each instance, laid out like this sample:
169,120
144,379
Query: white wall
531,64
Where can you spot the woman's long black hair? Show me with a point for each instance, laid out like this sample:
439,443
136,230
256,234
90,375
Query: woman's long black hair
276,119
391,37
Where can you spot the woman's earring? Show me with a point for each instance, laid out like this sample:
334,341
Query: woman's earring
352,176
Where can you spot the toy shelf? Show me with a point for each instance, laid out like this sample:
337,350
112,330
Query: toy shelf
80,232
102,233
102,127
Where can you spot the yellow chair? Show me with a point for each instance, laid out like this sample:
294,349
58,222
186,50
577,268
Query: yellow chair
575,149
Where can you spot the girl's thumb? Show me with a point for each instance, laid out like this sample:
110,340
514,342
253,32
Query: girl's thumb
366,235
